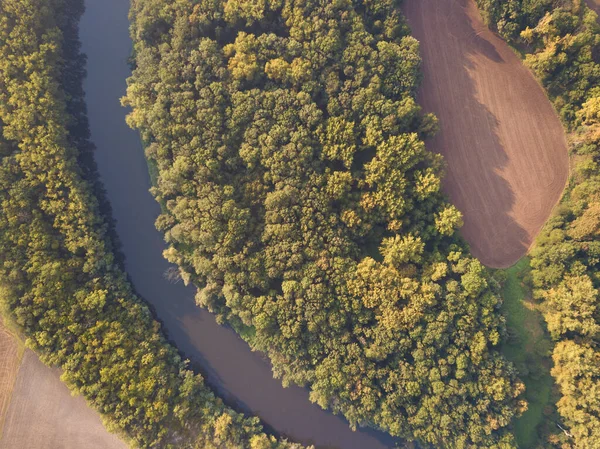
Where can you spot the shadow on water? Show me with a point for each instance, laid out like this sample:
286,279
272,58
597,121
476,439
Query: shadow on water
242,377
72,79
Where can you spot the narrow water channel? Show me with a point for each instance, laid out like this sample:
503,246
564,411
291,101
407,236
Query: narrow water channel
242,377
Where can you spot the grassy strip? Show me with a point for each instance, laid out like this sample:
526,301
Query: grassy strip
529,347
561,43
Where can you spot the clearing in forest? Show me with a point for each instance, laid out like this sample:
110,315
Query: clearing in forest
504,145
529,347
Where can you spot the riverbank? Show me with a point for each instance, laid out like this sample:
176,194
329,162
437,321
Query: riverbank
243,378
59,277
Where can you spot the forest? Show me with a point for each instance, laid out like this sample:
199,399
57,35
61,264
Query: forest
60,279
560,42
298,196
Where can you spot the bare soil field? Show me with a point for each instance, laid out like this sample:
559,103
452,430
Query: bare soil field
43,414
504,145
10,359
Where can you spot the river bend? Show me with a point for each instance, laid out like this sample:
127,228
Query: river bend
242,377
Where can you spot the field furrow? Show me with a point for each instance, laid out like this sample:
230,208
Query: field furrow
503,142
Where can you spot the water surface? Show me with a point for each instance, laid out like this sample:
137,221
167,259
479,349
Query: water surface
242,377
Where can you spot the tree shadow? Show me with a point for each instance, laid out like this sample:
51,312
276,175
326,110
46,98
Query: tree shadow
243,378
72,77
456,47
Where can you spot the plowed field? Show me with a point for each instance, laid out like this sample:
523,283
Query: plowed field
504,145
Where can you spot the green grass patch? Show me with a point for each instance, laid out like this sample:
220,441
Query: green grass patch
529,347
152,171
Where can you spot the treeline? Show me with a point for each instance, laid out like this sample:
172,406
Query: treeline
510,17
301,200
58,277
561,43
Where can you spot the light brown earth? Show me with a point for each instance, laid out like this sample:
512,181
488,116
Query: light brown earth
504,145
42,413
10,358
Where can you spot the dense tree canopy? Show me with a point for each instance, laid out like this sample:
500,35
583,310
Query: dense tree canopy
58,277
561,40
299,197
510,17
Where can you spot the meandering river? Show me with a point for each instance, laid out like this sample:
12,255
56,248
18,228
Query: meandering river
242,377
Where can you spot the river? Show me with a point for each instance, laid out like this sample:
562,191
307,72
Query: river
242,377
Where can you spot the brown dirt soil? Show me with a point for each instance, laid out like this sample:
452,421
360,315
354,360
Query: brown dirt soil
595,5
9,366
43,414
505,148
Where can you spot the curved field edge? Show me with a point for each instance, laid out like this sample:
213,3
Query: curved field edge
194,121
37,411
502,141
474,83
44,415
59,278
559,42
